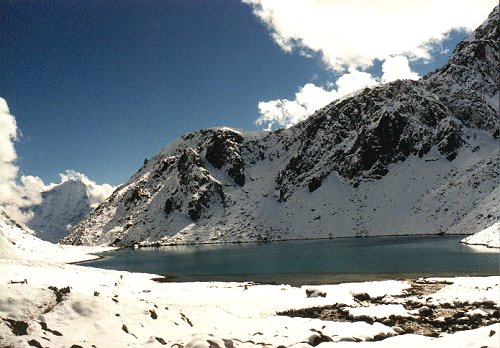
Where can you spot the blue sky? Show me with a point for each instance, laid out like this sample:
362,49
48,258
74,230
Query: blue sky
98,86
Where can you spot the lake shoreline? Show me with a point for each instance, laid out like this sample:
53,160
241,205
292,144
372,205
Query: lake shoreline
323,279
101,254
159,245
308,261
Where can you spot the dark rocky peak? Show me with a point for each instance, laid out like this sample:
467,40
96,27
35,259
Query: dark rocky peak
223,151
198,189
468,84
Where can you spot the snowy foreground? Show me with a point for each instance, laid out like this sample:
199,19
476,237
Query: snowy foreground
103,308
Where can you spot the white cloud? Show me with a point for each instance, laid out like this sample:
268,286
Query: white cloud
8,133
353,81
8,168
351,35
356,32
286,112
16,197
397,67
309,98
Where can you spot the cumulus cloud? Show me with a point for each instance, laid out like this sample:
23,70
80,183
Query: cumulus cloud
8,167
286,112
353,81
350,35
309,98
395,68
354,33
18,194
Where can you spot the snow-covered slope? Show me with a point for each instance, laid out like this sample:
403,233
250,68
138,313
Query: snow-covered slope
489,237
18,243
402,158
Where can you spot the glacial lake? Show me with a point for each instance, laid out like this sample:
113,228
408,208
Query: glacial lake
310,261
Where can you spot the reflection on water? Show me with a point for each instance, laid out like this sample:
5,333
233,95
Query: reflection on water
482,249
310,261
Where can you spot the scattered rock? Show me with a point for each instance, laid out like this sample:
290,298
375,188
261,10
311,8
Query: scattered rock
212,344
186,319
18,327
350,339
381,336
318,338
362,296
398,330
60,293
228,343
315,293
160,340
46,328
153,314
364,318
433,319
35,343
425,311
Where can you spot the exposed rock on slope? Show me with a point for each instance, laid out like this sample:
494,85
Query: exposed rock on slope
360,136
468,83
402,158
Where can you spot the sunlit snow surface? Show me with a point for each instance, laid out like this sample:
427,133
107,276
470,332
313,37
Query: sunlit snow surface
489,237
122,309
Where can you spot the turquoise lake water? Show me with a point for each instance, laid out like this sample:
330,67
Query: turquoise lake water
310,261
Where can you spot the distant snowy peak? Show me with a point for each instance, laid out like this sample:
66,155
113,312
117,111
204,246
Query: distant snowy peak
63,206
407,157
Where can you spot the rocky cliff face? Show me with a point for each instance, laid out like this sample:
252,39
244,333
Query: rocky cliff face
359,137
402,158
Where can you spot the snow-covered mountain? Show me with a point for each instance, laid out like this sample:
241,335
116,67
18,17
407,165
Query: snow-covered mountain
408,157
62,207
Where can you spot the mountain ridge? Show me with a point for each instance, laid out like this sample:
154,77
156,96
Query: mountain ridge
402,158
